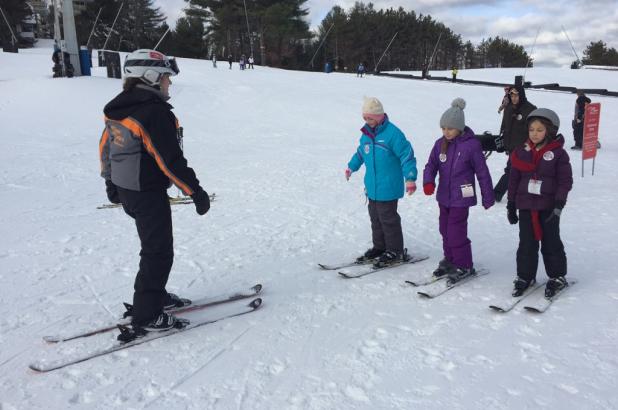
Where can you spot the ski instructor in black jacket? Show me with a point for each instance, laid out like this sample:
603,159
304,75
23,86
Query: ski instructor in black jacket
514,130
141,157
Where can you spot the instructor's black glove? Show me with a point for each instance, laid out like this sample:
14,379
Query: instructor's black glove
112,192
511,213
555,213
202,201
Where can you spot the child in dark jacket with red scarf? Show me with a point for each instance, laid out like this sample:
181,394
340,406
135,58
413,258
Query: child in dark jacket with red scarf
539,182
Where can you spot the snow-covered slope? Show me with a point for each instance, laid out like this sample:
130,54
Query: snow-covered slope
273,145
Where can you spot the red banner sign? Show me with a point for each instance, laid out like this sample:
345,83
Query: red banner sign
591,130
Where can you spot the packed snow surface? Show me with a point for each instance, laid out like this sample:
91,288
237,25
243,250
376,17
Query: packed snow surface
273,146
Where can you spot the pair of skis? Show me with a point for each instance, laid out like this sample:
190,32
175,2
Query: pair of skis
535,301
372,269
178,200
225,310
433,286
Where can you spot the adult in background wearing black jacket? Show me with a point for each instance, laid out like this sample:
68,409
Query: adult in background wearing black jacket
140,158
514,130
578,119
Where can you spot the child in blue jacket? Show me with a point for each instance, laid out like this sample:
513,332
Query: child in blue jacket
389,160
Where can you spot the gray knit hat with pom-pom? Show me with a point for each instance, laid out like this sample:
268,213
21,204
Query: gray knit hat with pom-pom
454,116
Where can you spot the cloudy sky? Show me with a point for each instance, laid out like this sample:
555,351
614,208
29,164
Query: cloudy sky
517,20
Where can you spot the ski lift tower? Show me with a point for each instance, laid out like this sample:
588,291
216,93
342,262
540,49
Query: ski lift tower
70,37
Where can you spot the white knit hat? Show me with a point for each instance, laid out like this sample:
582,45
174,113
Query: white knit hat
371,105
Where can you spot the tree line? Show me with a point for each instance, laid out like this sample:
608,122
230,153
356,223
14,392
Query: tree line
597,53
277,34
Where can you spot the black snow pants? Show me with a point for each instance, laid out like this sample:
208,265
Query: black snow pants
578,134
153,219
386,225
552,248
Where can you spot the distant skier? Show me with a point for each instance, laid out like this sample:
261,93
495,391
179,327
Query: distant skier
230,60
389,159
514,131
140,157
241,62
56,56
454,74
540,180
578,119
214,60
251,61
457,157
360,70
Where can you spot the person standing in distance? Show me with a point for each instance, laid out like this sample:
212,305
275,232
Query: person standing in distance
578,119
140,158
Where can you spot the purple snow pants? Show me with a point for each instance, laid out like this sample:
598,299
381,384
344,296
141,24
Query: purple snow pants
454,230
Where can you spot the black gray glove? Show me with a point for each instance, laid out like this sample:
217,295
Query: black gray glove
112,192
511,213
202,201
557,211
500,143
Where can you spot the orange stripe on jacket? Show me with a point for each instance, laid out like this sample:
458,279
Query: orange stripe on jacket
139,131
102,143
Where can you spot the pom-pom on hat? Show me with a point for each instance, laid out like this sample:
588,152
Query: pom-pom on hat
373,106
454,116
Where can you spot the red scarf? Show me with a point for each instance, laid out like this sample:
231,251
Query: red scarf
525,166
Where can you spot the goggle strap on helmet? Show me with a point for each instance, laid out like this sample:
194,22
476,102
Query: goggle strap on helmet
167,63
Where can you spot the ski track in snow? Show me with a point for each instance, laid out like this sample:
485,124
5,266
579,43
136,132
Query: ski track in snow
272,145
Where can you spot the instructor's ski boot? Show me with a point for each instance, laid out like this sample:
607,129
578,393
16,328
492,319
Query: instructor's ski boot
389,258
554,286
458,274
444,267
520,285
163,322
370,254
173,301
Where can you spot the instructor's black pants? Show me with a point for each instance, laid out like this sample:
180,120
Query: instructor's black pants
386,225
153,219
552,248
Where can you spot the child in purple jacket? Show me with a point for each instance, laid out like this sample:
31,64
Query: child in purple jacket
457,157
540,180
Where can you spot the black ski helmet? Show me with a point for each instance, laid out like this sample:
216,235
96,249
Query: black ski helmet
548,115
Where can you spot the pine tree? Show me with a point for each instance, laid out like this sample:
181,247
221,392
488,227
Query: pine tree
597,53
277,29
139,24
187,40
15,11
